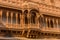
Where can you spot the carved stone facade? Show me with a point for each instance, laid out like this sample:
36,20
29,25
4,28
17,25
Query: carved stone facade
30,18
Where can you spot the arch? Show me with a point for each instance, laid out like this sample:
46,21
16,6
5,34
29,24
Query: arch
26,11
20,11
25,14
34,10
33,15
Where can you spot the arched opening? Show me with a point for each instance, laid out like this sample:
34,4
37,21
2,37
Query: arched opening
25,14
33,15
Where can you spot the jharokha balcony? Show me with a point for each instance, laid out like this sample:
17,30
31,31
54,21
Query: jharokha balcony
26,19
19,20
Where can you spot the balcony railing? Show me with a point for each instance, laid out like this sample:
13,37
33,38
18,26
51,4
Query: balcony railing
17,20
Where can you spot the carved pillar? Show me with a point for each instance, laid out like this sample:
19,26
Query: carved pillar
28,16
30,21
57,22
22,19
11,19
16,19
52,24
7,17
49,22
46,22
36,21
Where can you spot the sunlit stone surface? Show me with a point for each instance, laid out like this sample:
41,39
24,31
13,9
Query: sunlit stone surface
29,19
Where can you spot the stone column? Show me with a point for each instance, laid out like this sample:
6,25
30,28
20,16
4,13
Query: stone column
11,19
37,20
53,23
22,19
16,20
57,22
49,23
46,23
7,17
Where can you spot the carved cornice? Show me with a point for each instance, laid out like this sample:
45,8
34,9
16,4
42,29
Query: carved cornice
47,9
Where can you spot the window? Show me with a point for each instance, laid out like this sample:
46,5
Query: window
55,23
33,15
4,15
9,17
44,21
51,23
26,19
14,18
18,18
